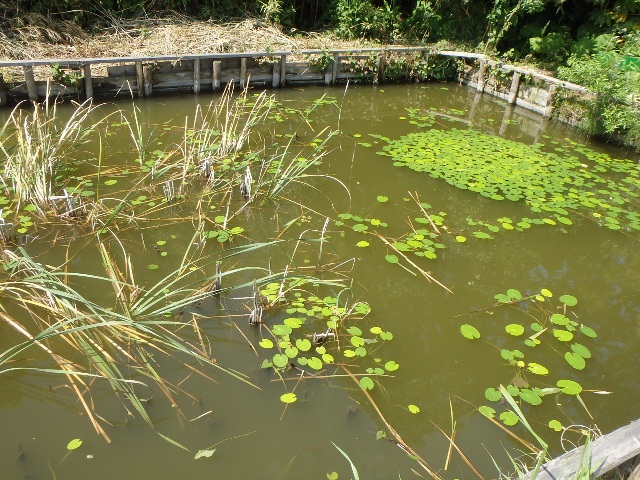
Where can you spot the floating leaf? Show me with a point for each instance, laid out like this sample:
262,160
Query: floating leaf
537,369
514,294
288,398
568,300
502,298
581,350
546,293
563,335
280,360
153,266
315,363
555,425
265,343
559,319
391,258
303,344
391,366
291,352
366,383
362,244
293,322
487,411
514,329
386,336
509,418
461,238
575,360
382,198
354,330
569,387
469,331
73,444
414,409
281,329
588,331
111,182
492,394
530,397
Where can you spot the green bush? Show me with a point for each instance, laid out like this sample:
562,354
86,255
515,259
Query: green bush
361,19
613,107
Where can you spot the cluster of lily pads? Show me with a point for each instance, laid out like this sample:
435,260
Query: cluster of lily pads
557,182
553,324
317,333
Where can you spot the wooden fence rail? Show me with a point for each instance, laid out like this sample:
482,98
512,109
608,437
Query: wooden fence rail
163,74
604,454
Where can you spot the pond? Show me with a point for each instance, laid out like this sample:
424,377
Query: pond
415,248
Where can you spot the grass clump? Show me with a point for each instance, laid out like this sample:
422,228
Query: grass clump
36,144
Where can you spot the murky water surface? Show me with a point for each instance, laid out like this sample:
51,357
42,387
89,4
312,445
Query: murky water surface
441,372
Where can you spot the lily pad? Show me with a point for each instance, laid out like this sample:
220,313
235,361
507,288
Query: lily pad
469,331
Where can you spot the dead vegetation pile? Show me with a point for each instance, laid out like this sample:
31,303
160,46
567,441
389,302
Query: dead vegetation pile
35,36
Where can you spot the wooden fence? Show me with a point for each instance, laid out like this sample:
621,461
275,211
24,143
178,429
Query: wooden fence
106,78
603,455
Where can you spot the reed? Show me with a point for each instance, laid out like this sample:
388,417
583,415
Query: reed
36,144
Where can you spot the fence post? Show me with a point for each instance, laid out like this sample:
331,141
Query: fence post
32,88
515,85
196,75
3,92
215,85
481,72
548,108
88,81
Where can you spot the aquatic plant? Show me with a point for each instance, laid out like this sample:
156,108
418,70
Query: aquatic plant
35,146
551,323
557,183
89,340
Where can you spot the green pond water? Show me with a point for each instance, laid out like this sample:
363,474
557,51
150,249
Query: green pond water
571,228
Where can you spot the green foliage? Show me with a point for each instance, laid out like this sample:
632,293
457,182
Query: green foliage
531,390
552,183
551,47
361,19
614,80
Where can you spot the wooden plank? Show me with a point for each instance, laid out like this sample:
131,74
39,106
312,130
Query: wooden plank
481,74
548,108
78,62
515,85
380,64
449,53
30,81
88,81
196,75
607,452
275,76
283,70
334,68
3,92
140,79
147,78
243,72
216,75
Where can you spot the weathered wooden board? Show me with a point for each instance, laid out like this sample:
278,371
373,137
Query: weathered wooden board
606,453
206,72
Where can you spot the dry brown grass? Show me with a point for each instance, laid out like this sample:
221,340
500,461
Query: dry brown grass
40,37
